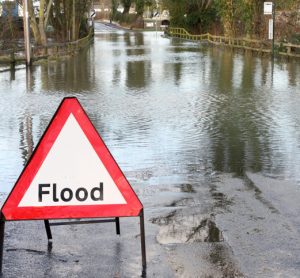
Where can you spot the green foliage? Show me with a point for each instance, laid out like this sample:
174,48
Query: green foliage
237,17
286,4
139,6
229,17
150,3
199,21
127,19
114,7
126,4
62,19
177,12
295,38
194,15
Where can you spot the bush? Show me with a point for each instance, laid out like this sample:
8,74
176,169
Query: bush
295,38
125,18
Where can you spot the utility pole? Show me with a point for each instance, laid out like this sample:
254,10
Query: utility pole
26,32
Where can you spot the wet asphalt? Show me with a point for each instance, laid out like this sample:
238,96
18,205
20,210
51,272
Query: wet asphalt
231,228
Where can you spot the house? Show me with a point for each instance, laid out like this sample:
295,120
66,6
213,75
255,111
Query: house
9,8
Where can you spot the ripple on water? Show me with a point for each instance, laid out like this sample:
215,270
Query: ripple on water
159,102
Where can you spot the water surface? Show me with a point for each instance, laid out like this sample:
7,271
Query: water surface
177,108
208,138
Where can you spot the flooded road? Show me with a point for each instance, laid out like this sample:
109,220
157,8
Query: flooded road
208,138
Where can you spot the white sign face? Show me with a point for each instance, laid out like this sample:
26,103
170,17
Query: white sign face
270,29
268,8
72,174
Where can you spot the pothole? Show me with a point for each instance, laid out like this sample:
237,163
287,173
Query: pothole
178,228
187,188
221,200
182,203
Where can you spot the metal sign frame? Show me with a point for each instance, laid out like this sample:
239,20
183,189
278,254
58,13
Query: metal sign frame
77,222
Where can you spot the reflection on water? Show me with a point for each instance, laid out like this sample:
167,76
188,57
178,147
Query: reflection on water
174,107
26,139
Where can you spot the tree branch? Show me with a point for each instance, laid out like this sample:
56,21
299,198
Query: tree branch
48,13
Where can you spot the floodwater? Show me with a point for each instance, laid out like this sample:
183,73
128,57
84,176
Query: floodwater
209,139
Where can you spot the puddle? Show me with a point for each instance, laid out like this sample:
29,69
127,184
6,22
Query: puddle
221,200
187,188
178,228
209,231
221,258
32,251
258,194
182,203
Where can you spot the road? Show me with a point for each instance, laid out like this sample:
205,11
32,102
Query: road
165,110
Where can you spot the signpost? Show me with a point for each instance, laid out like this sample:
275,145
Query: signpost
270,29
269,9
71,174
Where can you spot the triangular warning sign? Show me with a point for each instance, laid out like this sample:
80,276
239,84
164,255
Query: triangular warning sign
71,174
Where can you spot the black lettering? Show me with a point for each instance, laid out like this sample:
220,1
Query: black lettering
85,194
97,189
68,198
55,199
41,192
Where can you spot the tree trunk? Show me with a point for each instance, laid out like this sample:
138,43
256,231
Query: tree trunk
126,4
41,22
228,19
38,28
73,21
33,23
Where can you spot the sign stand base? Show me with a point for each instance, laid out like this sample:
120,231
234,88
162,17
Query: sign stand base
78,222
143,242
51,158
48,229
49,234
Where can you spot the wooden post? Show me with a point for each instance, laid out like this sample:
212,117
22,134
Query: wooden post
12,57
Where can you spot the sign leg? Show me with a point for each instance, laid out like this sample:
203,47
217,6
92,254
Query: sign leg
143,241
2,226
117,225
48,229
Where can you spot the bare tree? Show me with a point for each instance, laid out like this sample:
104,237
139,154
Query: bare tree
68,18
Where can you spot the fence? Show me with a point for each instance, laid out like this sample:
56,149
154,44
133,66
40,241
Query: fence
286,49
41,52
